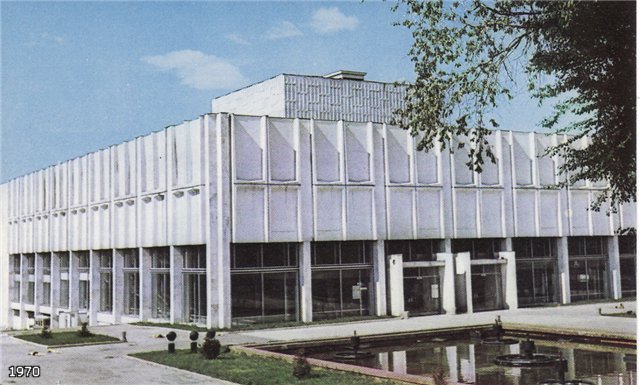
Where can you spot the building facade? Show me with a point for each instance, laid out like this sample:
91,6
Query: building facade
319,209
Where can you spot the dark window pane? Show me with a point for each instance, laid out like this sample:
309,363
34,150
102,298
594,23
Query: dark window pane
351,252
275,254
595,246
522,247
325,253
398,247
627,244
462,245
193,257
576,246
246,255
247,295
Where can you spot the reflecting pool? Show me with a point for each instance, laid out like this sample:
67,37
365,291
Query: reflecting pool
471,361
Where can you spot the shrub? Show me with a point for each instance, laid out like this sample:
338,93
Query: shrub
46,332
210,348
438,376
84,330
301,367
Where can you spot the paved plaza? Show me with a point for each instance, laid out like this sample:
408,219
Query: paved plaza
108,364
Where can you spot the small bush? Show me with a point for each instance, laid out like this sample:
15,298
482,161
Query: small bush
438,376
84,330
46,333
301,367
210,348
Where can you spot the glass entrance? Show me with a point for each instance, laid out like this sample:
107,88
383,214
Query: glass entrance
486,287
587,278
422,290
536,282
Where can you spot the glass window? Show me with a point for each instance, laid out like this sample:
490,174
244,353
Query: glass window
30,295
64,293
595,246
63,259
64,262
16,263
195,297
160,282
341,293
46,264
422,290
105,263
534,247
481,248
264,297
627,245
341,253
194,283
30,260
414,250
46,294
486,286
83,294
83,260
246,255
193,257
270,291
259,255
161,297
159,257
131,277
587,278
628,277
325,253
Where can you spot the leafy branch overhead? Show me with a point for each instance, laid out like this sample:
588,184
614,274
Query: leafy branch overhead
580,56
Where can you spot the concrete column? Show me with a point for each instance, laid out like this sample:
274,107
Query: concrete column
379,278
569,355
510,281
23,290
446,245
218,132
448,287
175,281
614,267
306,299
399,362
396,286
39,280
74,287
145,285
94,287
452,360
55,288
118,287
463,266
563,270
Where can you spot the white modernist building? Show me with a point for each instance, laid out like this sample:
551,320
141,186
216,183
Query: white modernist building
295,199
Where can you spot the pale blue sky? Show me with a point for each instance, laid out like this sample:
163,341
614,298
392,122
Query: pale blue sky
80,76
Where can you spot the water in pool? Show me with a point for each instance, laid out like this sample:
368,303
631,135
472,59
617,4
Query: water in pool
468,361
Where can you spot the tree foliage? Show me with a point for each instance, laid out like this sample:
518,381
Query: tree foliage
580,56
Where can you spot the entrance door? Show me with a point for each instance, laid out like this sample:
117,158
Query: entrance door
587,278
536,282
486,287
422,290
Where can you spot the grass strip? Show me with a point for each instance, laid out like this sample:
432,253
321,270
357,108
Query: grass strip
66,338
253,370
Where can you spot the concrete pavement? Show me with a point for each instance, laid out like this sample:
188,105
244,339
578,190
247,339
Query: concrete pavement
109,364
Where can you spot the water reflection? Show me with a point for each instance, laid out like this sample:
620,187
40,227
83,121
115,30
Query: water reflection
470,363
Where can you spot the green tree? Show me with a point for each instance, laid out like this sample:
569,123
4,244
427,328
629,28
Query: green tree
578,55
